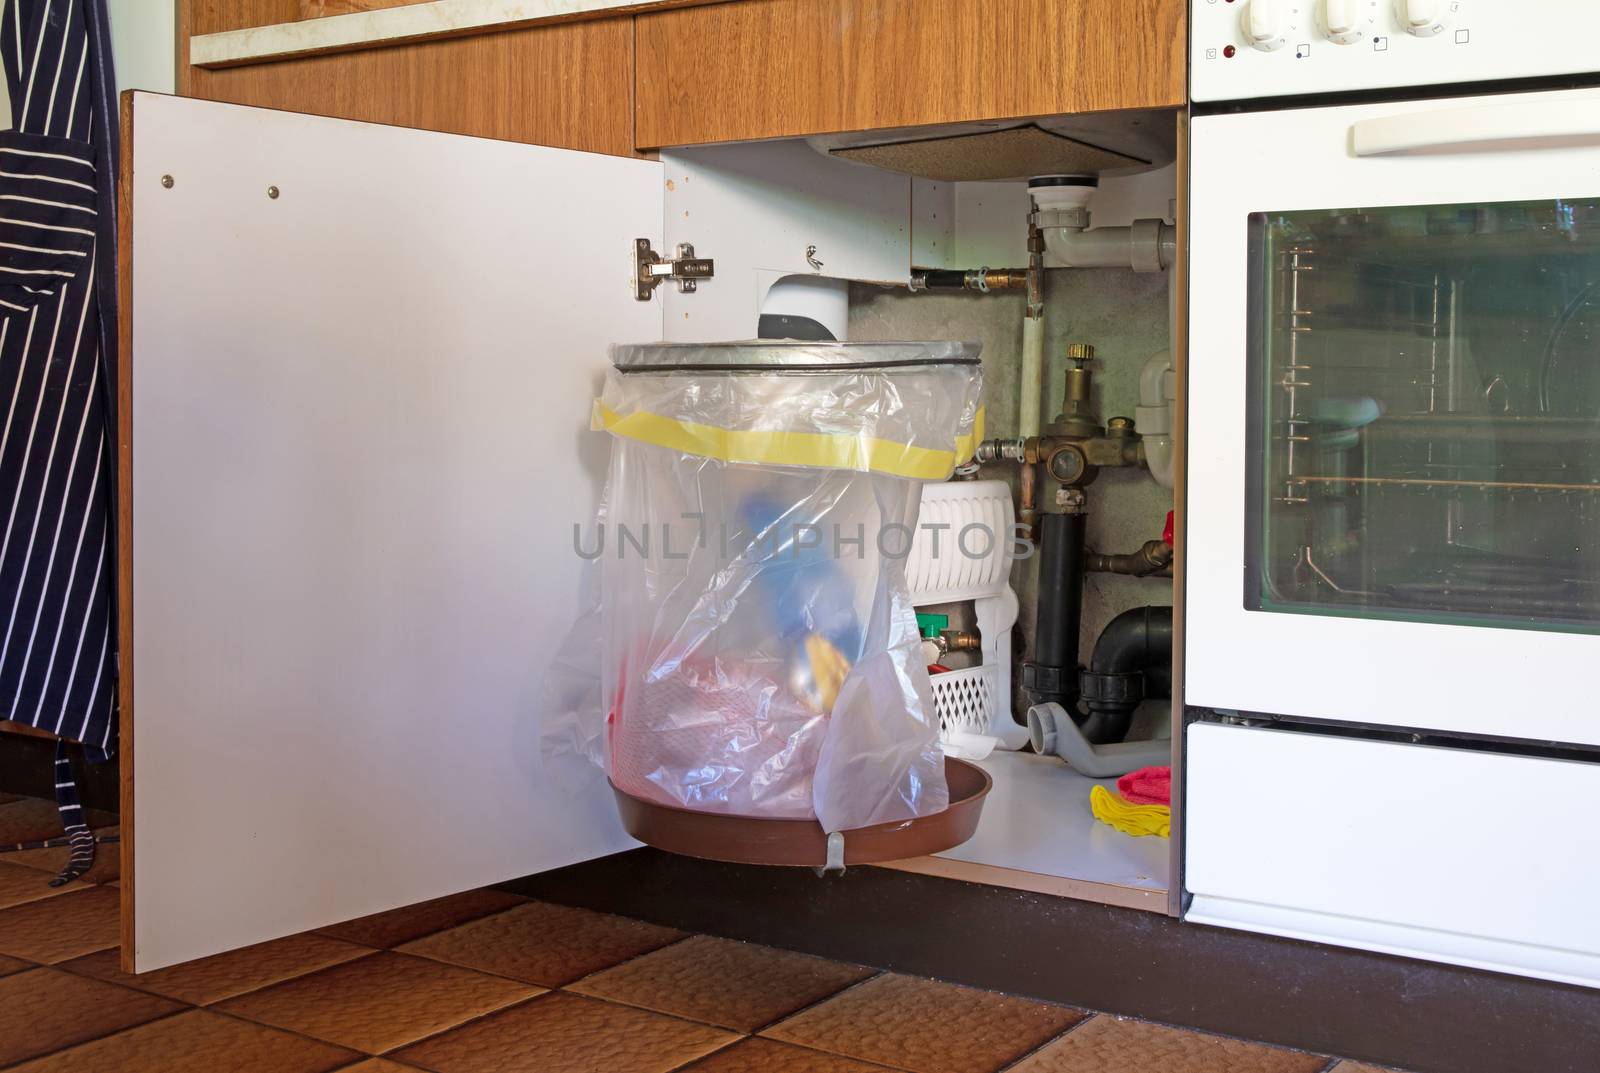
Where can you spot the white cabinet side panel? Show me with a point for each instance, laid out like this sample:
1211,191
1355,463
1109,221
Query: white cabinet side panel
1456,855
360,444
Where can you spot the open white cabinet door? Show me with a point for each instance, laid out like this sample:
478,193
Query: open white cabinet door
361,362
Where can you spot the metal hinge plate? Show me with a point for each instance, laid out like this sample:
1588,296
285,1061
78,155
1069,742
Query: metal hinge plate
650,268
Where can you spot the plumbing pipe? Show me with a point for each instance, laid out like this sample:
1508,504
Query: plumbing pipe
1144,246
1052,732
1063,220
1153,416
1132,659
1027,493
1052,674
1032,385
1151,560
983,279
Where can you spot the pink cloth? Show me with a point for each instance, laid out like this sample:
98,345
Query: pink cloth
1147,786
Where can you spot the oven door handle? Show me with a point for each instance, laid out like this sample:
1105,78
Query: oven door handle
1486,127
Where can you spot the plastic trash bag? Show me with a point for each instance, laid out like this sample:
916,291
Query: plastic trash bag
748,616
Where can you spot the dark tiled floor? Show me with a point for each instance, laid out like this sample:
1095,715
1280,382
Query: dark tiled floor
488,982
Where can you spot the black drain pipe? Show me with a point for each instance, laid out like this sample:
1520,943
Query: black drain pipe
1132,660
1052,674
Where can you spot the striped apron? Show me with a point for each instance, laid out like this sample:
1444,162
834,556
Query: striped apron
57,346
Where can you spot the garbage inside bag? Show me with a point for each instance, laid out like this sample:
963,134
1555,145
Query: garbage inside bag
751,638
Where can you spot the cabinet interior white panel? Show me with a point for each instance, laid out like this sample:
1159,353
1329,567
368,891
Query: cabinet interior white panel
359,447
1458,855
757,208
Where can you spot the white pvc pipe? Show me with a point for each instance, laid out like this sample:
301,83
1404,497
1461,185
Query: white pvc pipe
1032,386
1160,458
1158,396
1146,246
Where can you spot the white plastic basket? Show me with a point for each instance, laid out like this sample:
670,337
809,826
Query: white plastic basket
965,700
973,700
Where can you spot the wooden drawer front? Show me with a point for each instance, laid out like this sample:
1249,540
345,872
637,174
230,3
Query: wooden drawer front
774,68
566,85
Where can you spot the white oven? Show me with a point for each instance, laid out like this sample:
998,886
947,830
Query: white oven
1394,407
1394,430
1393,512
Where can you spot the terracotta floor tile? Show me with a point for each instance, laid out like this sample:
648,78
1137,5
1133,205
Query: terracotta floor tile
414,921
544,943
926,1026
196,1042
28,819
223,976
1116,1045
45,1010
107,865
19,884
11,965
735,985
565,1034
378,1002
66,926
770,1056
32,818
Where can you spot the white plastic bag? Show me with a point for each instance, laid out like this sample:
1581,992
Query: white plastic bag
758,651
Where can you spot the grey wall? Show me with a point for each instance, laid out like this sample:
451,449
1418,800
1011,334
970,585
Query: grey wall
1124,314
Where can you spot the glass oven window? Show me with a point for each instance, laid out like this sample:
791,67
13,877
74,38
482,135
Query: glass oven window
1425,401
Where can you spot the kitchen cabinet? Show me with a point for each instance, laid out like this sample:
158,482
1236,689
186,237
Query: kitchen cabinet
780,68
357,373
357,376
691,73
567,84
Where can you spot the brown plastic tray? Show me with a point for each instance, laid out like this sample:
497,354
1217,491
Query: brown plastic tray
753,840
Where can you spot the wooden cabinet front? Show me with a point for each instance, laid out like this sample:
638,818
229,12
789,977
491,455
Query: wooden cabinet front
779,68
567,84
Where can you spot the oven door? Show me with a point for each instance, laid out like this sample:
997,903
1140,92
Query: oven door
1394,414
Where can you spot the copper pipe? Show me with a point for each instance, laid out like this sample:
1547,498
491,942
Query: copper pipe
1027,512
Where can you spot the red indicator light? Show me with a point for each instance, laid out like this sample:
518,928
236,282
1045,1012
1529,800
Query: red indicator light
1228,51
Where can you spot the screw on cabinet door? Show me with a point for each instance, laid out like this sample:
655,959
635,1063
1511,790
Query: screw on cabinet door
166,181
272,192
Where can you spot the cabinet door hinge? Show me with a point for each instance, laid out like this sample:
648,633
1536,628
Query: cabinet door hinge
650,268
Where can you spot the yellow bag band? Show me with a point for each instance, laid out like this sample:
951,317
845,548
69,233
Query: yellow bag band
861,453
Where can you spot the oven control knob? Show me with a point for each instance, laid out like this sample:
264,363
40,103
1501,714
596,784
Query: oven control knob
1346,21
1422,18
1264,25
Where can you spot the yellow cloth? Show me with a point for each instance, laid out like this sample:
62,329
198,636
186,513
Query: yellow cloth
1130,819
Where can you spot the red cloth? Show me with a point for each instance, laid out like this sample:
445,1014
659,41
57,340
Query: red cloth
1147,786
